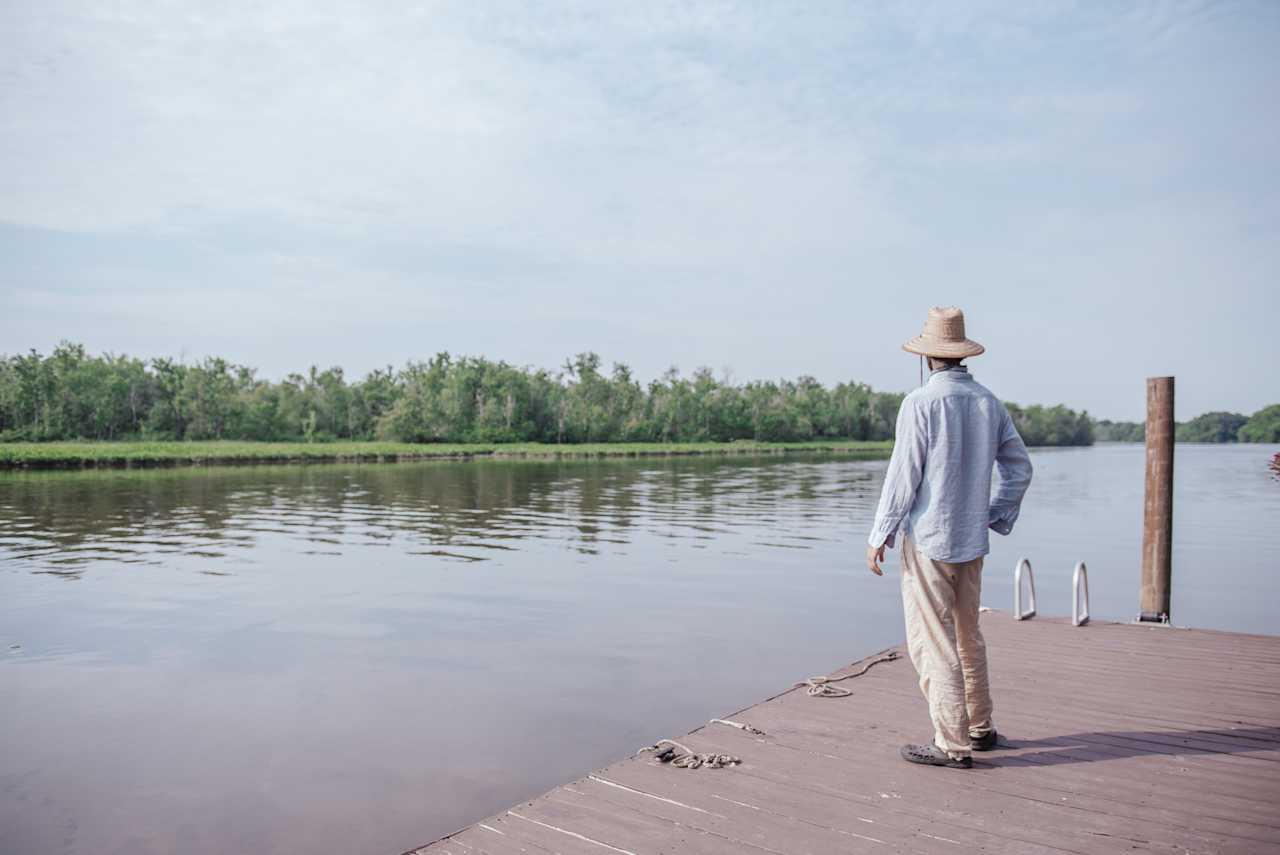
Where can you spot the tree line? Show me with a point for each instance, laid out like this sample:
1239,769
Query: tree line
1262,426
71,394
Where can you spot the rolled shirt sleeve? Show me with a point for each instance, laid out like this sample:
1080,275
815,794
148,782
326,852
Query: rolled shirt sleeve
906,466
1014,465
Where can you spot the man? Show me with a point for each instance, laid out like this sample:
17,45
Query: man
937,493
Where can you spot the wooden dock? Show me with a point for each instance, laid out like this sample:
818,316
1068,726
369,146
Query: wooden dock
1120,738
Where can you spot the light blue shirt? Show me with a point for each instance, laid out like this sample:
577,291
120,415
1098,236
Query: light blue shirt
950,433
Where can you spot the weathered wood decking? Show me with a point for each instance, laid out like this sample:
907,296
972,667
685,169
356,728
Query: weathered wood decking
1120,738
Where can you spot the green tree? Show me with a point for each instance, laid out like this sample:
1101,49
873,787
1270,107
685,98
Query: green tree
422,414
372,398
168,419
1056,425
210,400
1211,427
1262,426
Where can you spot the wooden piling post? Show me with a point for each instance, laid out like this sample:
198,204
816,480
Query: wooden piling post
1157,509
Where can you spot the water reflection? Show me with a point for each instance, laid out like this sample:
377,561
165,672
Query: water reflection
356,659
361,658
65,524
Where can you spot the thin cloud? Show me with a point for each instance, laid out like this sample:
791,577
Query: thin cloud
780,189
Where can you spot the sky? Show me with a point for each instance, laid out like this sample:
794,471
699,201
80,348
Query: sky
767,189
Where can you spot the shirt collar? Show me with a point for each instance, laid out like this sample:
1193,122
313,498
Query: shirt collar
952,372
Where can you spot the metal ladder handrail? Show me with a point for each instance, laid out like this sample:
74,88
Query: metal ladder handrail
1018,613
1079,583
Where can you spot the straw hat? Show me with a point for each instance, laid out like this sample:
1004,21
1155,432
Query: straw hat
943,336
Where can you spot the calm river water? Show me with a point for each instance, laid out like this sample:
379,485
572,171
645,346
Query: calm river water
358,659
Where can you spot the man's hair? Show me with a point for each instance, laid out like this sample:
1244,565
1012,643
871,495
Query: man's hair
949,363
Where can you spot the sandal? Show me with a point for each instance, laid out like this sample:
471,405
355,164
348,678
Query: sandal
984,743
932,755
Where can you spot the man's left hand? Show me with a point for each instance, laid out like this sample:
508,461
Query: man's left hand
875,554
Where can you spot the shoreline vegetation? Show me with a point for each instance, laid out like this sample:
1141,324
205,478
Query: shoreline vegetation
128,455
1262,426
72,408
71,394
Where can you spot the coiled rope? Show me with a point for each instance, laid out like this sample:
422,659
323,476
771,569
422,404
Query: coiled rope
683,757
820,687
690,759
693,760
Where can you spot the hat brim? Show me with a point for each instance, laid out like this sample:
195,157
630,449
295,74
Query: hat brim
927,346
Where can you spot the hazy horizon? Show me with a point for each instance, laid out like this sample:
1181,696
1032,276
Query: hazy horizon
773,191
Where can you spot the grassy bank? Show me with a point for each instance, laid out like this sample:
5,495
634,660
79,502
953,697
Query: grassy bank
79,455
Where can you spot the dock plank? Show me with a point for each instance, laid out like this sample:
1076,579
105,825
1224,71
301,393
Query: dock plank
1082,791
1119,738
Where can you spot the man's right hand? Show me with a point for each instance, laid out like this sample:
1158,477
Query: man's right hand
875,554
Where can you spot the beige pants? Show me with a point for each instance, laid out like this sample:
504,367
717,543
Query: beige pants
941,605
